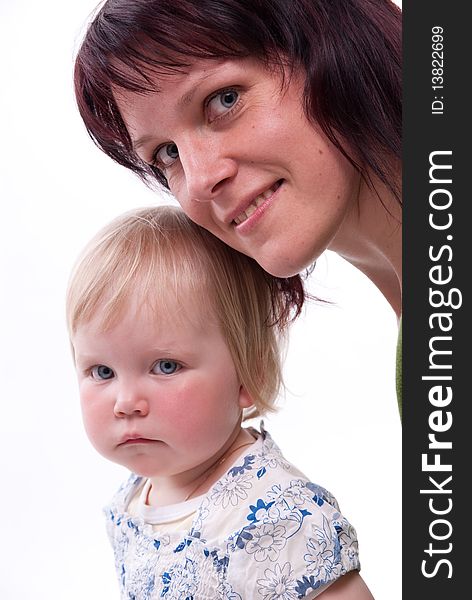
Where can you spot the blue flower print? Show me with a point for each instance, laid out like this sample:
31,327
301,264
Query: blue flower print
246,466
267,542
322,558
261,472
260,532
225,592
183,544
270,456
141,585
202,515
288,502
121,548
305,584
278,584
321,495
242,537
259,511
220,564
297,494
181,580
229,489
347,537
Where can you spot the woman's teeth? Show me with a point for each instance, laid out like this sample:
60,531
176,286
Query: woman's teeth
255,204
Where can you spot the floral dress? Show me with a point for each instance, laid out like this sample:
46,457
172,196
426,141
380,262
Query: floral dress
262,532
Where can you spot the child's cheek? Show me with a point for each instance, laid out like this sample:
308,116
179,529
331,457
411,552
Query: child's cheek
96,421
189,410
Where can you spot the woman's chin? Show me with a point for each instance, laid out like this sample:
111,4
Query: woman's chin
278,266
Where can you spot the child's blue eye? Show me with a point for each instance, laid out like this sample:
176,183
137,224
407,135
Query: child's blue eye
102,372
165,367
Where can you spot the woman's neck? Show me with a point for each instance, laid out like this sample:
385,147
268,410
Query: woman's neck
370,238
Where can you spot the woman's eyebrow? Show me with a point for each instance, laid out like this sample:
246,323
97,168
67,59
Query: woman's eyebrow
184,100
187,97
142,141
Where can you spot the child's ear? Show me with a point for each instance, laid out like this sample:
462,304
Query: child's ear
245,400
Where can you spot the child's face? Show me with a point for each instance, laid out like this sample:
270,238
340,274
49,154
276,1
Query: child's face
159,395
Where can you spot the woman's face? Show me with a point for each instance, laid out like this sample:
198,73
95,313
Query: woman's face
243,161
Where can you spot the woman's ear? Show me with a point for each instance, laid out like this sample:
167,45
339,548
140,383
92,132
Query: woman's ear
245,400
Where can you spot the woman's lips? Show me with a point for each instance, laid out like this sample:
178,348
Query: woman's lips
258,202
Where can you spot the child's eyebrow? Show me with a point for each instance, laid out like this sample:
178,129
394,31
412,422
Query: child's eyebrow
85,358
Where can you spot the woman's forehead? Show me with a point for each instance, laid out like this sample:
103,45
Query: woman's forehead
184,81
173,92
178,86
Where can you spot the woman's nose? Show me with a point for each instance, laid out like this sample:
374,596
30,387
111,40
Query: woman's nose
131,402
207,170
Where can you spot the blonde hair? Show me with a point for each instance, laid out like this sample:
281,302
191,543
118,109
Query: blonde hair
158,255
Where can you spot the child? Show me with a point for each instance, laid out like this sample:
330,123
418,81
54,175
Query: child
175,336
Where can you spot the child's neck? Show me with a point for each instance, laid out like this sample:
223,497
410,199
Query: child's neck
171,490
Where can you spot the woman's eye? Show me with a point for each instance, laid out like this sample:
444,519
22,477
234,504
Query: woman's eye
221,103
166,155
101,372
165,367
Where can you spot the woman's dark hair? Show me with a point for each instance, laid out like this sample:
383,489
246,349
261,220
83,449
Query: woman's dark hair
349,49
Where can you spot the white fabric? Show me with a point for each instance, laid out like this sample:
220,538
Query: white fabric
158,515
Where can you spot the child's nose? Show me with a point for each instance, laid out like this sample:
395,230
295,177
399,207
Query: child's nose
131,402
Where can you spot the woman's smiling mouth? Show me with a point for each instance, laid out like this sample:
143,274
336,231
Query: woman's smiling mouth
257,203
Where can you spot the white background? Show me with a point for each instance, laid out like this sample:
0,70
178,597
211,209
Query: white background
338,421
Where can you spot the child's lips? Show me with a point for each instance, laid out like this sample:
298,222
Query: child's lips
136,439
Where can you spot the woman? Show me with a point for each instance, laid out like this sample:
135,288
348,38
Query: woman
276,124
